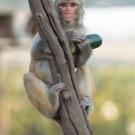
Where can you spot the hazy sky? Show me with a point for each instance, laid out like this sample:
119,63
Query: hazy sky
23,4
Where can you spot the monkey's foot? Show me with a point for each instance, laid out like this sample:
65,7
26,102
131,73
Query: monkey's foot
58,88
86,104
54,96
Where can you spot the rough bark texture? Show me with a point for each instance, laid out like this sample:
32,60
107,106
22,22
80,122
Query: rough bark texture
72,118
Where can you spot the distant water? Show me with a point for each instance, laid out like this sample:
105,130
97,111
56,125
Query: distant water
8,5
112,23
117,28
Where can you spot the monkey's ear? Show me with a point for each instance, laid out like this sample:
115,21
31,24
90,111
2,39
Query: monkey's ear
95,40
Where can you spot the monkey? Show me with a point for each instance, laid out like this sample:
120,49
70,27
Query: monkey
39,86
79,11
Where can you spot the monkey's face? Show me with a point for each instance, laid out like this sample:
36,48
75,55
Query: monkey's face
68,10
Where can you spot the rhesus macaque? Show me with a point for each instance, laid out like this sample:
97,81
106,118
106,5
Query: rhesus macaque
38,82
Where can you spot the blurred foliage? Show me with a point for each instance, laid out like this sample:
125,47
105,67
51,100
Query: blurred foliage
115,87
114,102
19,117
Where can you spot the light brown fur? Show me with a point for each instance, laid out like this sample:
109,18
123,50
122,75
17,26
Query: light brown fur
38,81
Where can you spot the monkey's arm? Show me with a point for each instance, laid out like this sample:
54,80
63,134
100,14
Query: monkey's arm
80,47
85,84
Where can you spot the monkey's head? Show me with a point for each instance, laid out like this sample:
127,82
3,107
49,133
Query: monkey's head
70,12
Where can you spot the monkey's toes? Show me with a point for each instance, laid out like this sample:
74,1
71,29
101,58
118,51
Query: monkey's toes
58,87
86,103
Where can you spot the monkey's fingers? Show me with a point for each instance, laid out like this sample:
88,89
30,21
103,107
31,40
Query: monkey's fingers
78,37
77,40
57,88
75,36
84,43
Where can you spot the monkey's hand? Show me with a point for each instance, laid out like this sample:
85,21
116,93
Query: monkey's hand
80,47
75,37
86,104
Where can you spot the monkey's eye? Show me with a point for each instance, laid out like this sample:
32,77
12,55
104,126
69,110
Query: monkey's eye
63,4
73,4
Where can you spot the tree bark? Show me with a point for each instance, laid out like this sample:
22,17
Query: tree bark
72,118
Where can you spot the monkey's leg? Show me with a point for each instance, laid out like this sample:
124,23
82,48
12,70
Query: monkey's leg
84,82
44,99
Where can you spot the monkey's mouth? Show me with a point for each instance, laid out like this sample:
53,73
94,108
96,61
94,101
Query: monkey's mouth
68,16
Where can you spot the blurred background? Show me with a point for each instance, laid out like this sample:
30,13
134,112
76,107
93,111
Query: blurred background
112,66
